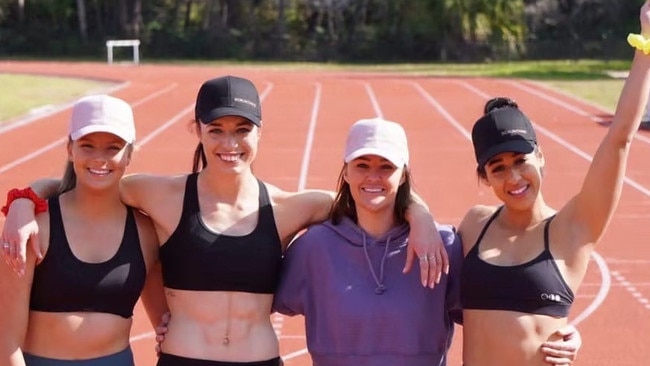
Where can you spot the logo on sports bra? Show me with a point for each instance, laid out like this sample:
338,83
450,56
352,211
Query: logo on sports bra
551,297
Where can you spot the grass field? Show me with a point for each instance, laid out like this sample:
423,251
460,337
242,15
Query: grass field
587,79
20,94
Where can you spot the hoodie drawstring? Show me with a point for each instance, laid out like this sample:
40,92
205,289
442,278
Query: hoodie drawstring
380,289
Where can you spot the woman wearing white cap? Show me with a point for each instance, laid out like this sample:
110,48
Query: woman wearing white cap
345,275
524,261
223,232
74,305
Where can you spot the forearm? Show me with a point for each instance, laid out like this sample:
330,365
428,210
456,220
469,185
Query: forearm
14,357
418,211
153,296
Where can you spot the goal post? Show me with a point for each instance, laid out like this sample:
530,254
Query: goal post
134,43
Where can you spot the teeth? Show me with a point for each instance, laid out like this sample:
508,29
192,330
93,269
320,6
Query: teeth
99,171
229,157
520,190
372,190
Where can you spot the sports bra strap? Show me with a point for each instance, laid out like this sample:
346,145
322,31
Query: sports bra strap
487,225
546,225
191,199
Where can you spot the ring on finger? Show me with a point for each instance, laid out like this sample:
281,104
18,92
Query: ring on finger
424,258
431,258
6,245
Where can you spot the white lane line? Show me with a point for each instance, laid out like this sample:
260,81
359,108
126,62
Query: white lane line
373,100
306,157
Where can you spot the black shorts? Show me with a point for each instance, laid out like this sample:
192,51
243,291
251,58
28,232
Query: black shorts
122,358
166,359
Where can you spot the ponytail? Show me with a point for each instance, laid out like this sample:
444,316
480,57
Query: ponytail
200,160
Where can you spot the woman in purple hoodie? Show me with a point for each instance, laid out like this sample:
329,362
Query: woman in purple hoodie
345,275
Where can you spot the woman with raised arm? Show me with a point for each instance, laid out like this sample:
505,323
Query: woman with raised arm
74,306
223,232
524,261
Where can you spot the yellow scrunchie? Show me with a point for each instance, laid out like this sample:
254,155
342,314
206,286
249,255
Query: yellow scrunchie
639,42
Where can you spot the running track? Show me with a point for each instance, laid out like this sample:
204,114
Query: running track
306,117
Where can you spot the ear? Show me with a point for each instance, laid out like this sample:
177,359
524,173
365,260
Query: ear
129,153
259,130
345,173
196,126
485,181
540,157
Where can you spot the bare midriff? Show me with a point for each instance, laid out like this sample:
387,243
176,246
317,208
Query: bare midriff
495,337
70,336
220,326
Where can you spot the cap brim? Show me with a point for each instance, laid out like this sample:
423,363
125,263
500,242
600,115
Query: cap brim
129,138
395,160
210,116
516,146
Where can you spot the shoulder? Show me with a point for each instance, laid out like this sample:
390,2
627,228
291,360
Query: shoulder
473,222
477,215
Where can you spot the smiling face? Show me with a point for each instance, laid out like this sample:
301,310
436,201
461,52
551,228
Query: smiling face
230,143
99,159
374,182
515,178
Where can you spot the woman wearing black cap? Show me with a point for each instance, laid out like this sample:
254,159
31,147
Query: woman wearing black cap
524,260
223,232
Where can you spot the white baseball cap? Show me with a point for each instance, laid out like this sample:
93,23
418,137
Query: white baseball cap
377,136
102,113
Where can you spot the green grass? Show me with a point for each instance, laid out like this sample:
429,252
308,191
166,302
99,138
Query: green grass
602,92
22,93
538,70
584,78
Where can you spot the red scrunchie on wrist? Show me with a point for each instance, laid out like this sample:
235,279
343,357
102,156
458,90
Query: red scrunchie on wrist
40,205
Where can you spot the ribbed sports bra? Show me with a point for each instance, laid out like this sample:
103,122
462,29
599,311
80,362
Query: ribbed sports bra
198,259
63,283
535,287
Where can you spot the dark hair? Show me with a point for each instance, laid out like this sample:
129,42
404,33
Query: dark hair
69,180
200,161
344,204
499,102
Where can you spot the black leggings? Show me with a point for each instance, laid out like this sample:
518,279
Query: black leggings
167,359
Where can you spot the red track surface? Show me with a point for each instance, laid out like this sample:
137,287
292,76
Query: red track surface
306,117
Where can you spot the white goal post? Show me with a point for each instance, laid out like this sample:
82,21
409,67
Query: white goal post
135,43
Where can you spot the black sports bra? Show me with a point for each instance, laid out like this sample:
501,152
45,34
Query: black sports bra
196,258
535,287
63,283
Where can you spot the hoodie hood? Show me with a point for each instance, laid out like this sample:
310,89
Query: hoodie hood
355,235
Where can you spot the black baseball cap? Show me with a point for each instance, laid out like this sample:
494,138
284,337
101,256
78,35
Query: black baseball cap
502,130
228,96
